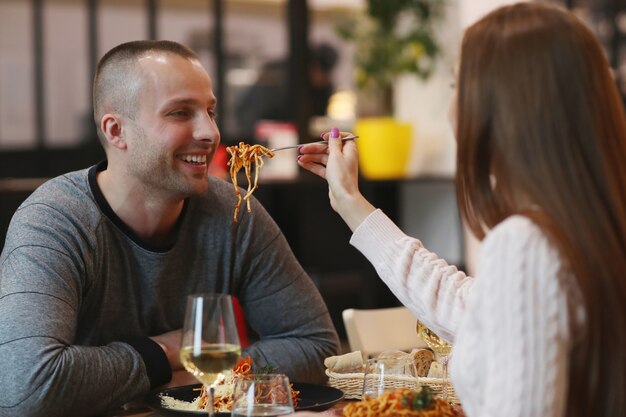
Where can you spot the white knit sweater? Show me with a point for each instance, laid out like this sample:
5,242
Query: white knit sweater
512,325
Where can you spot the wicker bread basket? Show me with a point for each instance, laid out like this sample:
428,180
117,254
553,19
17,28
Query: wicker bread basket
352,384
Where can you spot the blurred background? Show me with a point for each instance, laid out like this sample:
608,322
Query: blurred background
284,71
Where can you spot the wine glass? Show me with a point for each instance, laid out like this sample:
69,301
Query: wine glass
387,373
210,344
262,395
441,348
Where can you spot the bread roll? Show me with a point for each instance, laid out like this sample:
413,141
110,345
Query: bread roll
423,359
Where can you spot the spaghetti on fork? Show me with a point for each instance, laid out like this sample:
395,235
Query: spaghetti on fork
243,156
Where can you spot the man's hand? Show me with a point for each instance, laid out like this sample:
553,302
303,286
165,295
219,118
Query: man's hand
180,378
170,343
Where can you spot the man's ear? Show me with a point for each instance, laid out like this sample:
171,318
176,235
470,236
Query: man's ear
111,125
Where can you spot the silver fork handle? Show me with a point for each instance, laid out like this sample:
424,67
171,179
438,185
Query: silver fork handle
319,141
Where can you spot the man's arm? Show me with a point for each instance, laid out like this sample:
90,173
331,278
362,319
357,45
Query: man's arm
282,305
43,371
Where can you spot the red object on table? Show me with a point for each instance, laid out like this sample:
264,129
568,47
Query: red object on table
242,325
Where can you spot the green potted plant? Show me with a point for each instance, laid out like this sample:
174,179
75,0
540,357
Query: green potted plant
391,38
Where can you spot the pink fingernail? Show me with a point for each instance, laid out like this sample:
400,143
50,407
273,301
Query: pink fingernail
334,132
300,149
298,157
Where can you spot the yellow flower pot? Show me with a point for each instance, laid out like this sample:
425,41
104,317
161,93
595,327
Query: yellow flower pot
384,147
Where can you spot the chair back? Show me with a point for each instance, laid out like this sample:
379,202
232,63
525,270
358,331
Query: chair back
376,330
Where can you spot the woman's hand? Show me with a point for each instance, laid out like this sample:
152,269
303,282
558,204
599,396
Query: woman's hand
338,163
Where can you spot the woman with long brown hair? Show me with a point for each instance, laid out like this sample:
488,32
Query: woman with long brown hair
541,178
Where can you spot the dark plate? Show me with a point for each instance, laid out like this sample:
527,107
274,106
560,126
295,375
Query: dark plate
312,397
317,397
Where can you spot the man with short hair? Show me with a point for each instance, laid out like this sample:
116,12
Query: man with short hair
98,263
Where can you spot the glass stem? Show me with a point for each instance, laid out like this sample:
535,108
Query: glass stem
211,401
444,366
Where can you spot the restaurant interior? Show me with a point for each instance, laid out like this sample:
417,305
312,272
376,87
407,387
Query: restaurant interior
48,53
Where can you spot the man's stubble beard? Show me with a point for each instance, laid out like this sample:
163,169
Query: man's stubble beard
156,171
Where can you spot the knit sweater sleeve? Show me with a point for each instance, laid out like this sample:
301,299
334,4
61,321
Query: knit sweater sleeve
523,315
433,290
517,304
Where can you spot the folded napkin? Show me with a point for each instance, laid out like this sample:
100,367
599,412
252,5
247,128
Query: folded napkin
350,362
436,370
353,361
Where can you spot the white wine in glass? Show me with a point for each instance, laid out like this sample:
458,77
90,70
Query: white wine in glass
441,348
437,344
208,363
210,345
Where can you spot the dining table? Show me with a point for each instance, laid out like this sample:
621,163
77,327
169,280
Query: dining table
334,411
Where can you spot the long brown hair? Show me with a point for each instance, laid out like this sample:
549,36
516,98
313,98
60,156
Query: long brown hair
542,132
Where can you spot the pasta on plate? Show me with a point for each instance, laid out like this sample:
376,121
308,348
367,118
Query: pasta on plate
223,398
402,402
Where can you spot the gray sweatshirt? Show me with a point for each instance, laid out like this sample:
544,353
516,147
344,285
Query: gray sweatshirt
80,294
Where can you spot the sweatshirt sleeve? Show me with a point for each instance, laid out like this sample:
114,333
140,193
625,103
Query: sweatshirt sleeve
433,290
44,372
282,305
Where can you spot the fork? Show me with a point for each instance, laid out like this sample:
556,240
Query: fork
319,141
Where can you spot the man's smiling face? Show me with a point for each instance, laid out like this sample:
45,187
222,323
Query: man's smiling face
173,135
